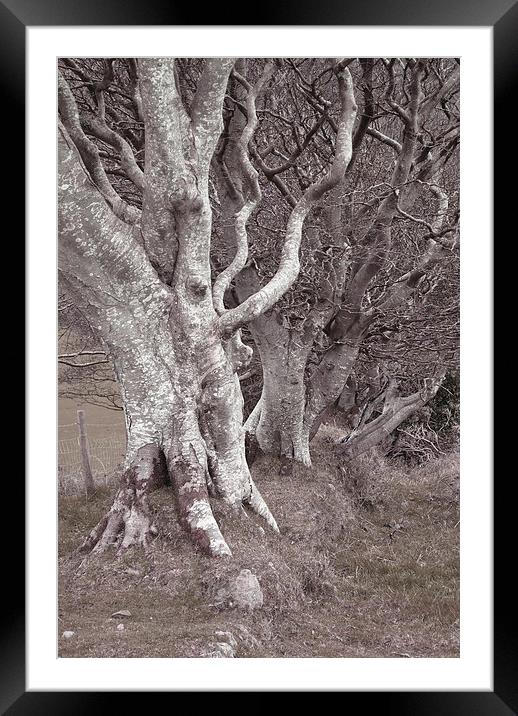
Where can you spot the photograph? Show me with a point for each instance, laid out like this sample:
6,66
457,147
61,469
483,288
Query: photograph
258,357
259,354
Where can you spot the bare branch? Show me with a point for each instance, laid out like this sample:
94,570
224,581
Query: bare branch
96,247
251,186
90,154
81,365
393,143
82,353
206,109
395,410
98,128
289,264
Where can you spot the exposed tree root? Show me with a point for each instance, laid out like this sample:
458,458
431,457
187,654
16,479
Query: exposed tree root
191,491
257,505
129,523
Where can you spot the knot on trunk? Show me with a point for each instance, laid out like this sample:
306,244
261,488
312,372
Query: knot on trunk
238,353
186,198
197,286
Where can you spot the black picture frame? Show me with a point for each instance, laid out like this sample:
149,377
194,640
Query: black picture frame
15,17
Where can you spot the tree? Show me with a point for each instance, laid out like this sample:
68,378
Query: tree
369,266
136,143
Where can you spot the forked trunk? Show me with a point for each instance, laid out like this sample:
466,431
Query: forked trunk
183,410
143,280
178,381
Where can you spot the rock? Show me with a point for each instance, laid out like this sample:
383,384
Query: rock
245,591
120,626
226,651
122,613
133,572
242,591
68,634
220,650
226,636
246,637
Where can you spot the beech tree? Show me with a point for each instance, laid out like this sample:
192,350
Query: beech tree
376,253
137,140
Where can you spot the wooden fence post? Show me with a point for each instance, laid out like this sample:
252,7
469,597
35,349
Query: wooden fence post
85,456
61,481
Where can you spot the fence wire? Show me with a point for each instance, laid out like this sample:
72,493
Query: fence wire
106,458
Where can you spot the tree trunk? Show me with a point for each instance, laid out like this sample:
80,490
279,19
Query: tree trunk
183,407
143,281
396,409
284,353
179,389
327,381
294,401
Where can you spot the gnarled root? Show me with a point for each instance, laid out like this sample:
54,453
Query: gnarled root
257,505
190,482
129,522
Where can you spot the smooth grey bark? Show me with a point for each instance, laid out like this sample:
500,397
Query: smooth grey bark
145,289
284,352
144,281
353,320
396,409
279,425
325,382
288,269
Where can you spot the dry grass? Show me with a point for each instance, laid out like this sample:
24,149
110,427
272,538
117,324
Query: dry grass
366,566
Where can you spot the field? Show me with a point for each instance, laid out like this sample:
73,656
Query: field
107,443
366,566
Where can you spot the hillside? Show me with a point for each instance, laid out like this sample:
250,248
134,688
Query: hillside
366,566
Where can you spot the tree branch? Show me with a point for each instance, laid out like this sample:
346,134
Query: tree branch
393,143
81,365
289,264
396,409
98,251
98,128
250,185
90,154
206,108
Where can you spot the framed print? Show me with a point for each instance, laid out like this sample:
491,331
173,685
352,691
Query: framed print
214,255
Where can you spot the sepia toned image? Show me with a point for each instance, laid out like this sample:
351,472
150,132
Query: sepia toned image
258,322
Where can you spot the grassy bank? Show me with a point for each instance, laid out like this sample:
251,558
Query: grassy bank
366,566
